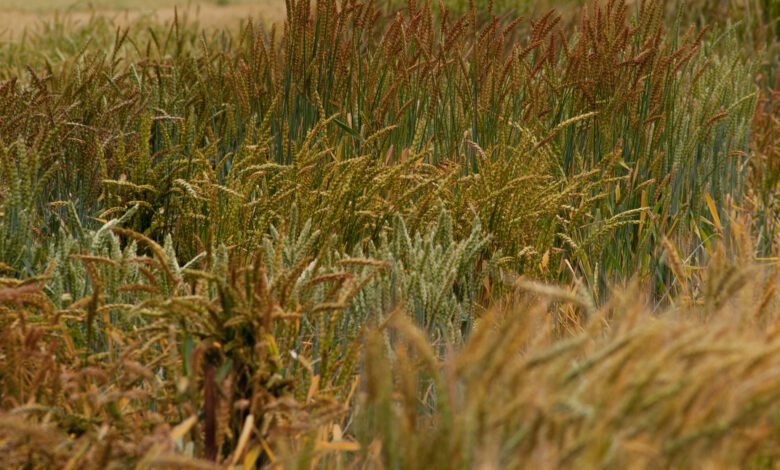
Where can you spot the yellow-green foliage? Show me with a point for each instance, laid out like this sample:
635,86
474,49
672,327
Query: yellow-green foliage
334,242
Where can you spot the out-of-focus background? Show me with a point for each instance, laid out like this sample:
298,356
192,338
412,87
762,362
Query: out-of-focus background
16,16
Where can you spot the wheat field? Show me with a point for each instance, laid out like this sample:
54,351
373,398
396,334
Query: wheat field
376,234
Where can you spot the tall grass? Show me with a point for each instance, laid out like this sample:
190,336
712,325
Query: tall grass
321,243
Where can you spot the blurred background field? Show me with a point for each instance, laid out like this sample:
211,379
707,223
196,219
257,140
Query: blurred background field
16,16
